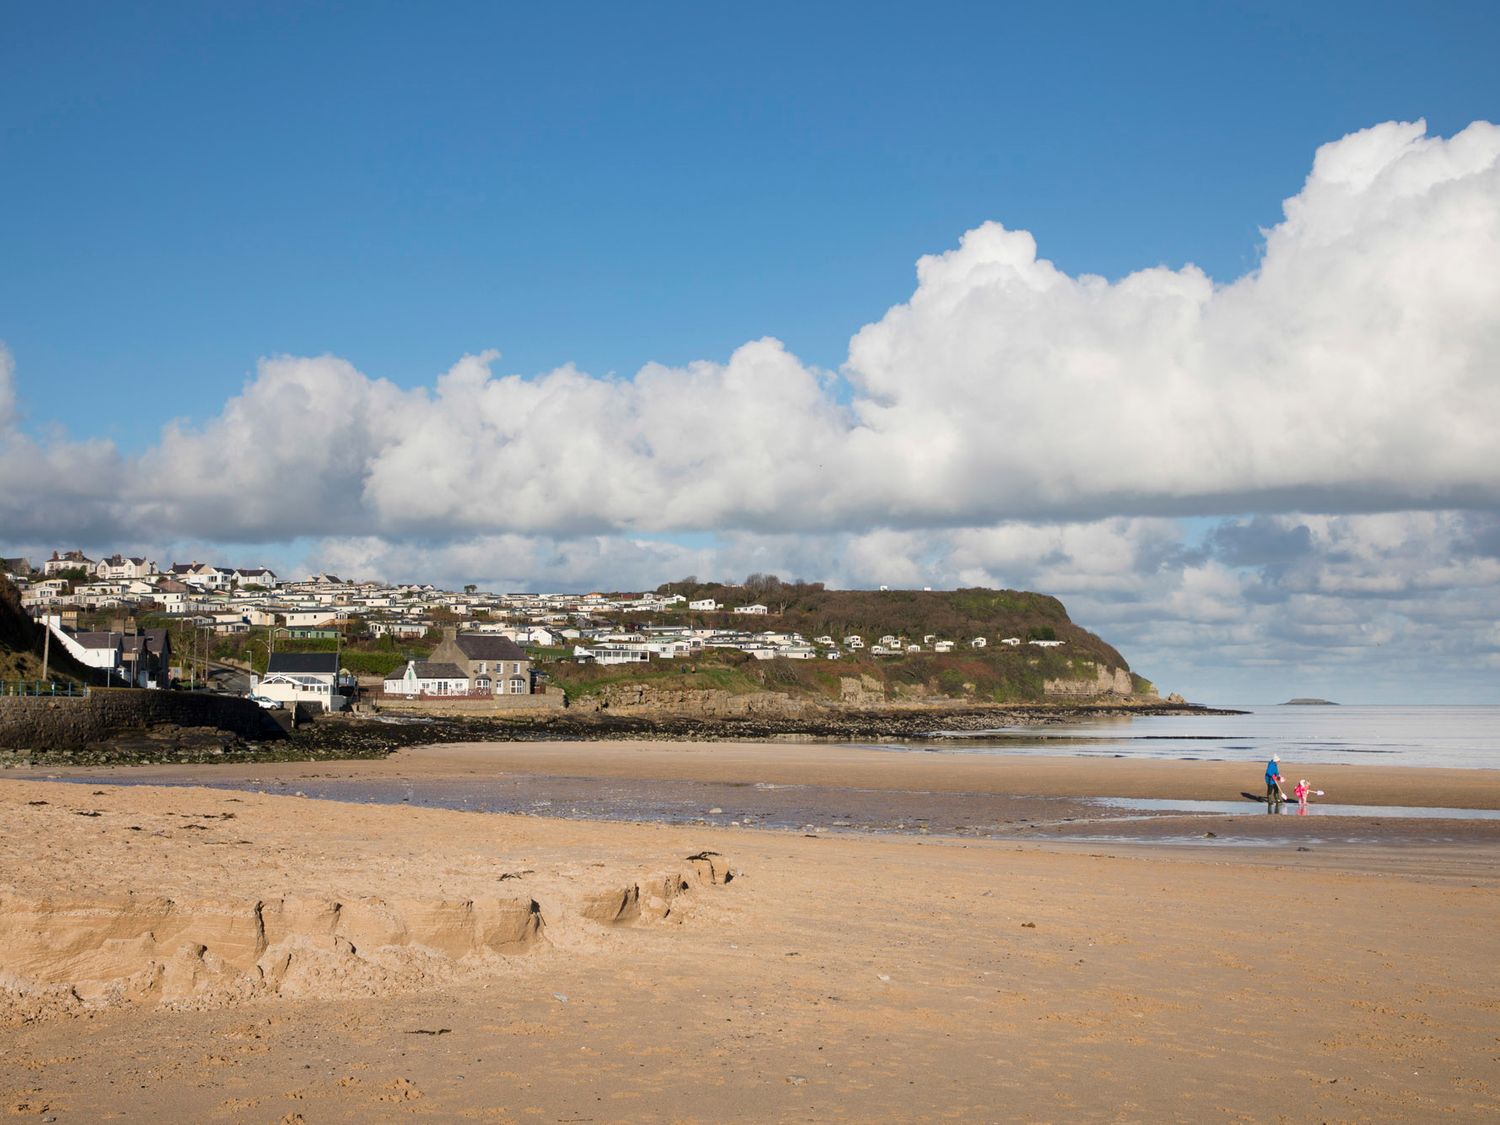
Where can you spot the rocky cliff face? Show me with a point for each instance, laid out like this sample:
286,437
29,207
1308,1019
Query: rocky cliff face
856,693
1104,682
708,704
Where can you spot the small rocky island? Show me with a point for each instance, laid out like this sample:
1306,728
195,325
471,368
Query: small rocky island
1309,703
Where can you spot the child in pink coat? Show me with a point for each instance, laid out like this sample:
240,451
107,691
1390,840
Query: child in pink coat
1300,791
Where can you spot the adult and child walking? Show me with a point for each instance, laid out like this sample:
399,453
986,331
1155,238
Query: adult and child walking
1275,795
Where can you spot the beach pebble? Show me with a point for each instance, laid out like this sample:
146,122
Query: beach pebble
882,976
715,811
796,1080
559,997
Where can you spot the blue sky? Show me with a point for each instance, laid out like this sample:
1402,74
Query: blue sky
201,185
191,189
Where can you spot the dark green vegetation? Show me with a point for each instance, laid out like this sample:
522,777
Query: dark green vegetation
996,673
1004,676
21,645
954,615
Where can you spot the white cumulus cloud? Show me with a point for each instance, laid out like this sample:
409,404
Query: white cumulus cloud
1356,367
1354,370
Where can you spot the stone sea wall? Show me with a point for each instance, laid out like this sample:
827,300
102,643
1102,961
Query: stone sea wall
46,723
552,700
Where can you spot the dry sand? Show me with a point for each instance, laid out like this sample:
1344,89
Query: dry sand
203,955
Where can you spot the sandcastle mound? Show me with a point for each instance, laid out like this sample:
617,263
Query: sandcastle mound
69,943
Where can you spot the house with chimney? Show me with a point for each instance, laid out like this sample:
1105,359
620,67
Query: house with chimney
122,568
492,663
68,560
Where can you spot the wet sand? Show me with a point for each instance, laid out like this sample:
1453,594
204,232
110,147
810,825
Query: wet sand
837,976
841,788
838,765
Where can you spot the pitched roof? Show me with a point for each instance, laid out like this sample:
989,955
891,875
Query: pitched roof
429,671
488,646
324,662
99,640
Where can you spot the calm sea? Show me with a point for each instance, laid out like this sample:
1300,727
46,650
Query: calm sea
1464,737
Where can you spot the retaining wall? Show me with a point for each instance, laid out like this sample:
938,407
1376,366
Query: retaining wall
60,722
553,700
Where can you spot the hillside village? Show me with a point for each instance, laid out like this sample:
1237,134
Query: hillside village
436,642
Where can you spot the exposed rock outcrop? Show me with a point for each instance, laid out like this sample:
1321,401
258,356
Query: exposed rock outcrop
1104,682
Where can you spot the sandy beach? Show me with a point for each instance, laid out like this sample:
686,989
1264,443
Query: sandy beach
232,955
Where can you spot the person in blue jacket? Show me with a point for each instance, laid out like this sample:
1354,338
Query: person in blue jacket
1274,795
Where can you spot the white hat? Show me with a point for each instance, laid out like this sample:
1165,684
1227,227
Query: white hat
1275,757
1302,782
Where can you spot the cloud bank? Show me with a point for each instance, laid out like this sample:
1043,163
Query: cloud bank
1355,369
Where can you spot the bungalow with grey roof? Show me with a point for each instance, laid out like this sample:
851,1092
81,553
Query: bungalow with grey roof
304,677
426,677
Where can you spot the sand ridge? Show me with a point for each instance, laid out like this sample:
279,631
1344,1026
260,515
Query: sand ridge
198,898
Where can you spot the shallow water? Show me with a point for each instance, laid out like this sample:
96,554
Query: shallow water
1443,736
1314,808
810,808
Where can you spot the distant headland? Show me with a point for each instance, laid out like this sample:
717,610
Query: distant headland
1309,703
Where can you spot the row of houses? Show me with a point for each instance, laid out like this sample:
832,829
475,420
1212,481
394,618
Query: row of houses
140,658
463,664
669,642
230,600
119,567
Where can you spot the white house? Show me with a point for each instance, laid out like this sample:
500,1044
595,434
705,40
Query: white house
208,576
704,605
68,560
256,576
942,646
96,650
404,630
1047,644
230,622
613,653
308,617
854,642
118,568
754,610
304,677
421,677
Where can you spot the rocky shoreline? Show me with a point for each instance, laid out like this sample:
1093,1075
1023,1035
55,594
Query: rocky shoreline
340,737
